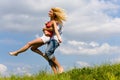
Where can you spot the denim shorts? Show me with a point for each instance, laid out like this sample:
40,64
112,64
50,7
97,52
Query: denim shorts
51,46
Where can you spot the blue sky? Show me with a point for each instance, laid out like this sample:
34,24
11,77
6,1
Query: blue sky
91,33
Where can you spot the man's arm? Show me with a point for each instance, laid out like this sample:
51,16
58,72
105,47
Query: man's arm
56,31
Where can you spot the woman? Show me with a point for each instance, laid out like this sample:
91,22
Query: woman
57,16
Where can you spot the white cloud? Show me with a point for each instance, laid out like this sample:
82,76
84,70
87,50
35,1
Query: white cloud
28,14
87,19
85,48
91,21
116,60
82,64
22,71
3,69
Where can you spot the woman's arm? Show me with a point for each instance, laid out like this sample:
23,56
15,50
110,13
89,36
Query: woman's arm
56,31
49,29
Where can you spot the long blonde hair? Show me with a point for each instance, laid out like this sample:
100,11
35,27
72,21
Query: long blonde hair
60,14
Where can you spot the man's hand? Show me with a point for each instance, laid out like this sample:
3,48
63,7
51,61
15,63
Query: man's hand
60,40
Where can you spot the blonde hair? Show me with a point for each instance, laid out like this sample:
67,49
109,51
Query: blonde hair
60,14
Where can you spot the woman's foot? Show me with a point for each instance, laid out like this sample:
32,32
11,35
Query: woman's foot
60,70
13,53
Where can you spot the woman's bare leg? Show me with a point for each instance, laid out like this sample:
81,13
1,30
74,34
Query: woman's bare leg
35,49
27,46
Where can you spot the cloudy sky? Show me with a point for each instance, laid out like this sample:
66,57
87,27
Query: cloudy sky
91,33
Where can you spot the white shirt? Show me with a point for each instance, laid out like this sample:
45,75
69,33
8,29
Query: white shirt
59,27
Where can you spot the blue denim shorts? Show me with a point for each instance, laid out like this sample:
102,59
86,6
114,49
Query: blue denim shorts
51,46
49,52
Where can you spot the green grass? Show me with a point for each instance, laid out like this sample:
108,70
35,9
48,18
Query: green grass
102,72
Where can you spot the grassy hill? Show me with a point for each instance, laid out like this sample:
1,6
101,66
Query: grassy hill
103,72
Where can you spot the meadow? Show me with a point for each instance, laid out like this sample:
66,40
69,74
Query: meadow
102,72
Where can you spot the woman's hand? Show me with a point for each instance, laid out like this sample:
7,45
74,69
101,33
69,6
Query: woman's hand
44,29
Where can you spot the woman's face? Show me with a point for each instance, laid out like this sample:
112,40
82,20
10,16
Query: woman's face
50,13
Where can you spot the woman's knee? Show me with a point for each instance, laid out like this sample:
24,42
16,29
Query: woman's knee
33,48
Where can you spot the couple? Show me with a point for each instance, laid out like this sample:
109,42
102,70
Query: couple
51,37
